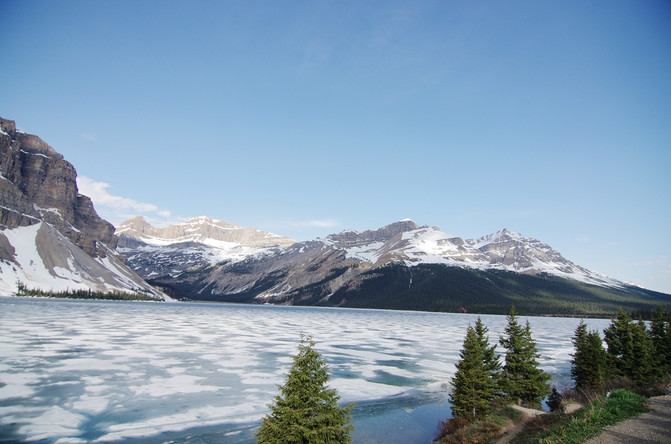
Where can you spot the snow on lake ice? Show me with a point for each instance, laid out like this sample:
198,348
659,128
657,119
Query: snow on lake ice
83,371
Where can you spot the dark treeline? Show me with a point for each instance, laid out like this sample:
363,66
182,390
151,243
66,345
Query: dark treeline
439,288
448,289
22,290
636,354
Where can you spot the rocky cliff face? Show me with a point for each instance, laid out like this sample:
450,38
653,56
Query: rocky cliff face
38,184
51,237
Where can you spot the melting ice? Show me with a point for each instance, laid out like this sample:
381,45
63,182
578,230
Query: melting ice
86,371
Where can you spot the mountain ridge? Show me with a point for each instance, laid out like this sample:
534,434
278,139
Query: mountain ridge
201,229
51,238
312,272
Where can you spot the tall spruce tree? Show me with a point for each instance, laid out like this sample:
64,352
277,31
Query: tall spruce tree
620,346
660,334
306,411
474,385
490,358
644,369
629,349
521,379
589,363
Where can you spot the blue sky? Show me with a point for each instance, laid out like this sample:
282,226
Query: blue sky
552,119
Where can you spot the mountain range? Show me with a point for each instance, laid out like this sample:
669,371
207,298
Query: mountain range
402,265
52,239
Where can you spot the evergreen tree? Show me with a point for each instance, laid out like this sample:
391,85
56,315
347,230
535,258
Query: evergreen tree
522,380
629,349
473,383
490,358
619,341
660,335
554,400
644,369
588,366
306,411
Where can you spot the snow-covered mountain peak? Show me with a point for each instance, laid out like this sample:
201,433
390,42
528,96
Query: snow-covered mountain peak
138,224
205,220
504,249
197,242
352,238
203,229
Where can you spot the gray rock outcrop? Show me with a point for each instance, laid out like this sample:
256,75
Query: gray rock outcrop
37,183
51,237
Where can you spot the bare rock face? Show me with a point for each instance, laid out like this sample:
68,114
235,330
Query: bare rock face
200,230
349,239
37,183
200,242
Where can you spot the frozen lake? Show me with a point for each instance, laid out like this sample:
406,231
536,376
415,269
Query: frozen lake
184,372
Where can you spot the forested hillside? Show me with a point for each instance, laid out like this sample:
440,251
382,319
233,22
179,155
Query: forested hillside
442,288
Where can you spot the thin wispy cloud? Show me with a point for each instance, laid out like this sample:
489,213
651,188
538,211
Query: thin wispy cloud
585,239
116,208
88,137
665,266
319,223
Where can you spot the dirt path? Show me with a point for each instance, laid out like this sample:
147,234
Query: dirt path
652,427
518,426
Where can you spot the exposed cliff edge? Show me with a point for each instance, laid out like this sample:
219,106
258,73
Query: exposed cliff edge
51,237
37,183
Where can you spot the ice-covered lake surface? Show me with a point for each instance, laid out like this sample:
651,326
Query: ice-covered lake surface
185,372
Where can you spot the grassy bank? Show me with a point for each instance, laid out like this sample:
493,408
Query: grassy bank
586,423
551,428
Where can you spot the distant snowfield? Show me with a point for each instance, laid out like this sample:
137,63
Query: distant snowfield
90,371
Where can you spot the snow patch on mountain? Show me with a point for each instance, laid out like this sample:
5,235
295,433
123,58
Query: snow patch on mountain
197,243
503,250
40,257
366,253
190,254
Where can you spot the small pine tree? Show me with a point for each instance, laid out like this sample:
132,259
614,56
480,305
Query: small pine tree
473,384
522,380
588,366
306,411
554,400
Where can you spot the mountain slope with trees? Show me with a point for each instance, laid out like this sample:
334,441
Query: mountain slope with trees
400,266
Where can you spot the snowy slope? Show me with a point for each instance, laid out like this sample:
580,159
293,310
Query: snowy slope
51,237
503,250
40,257
203,230
319,267
197,243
